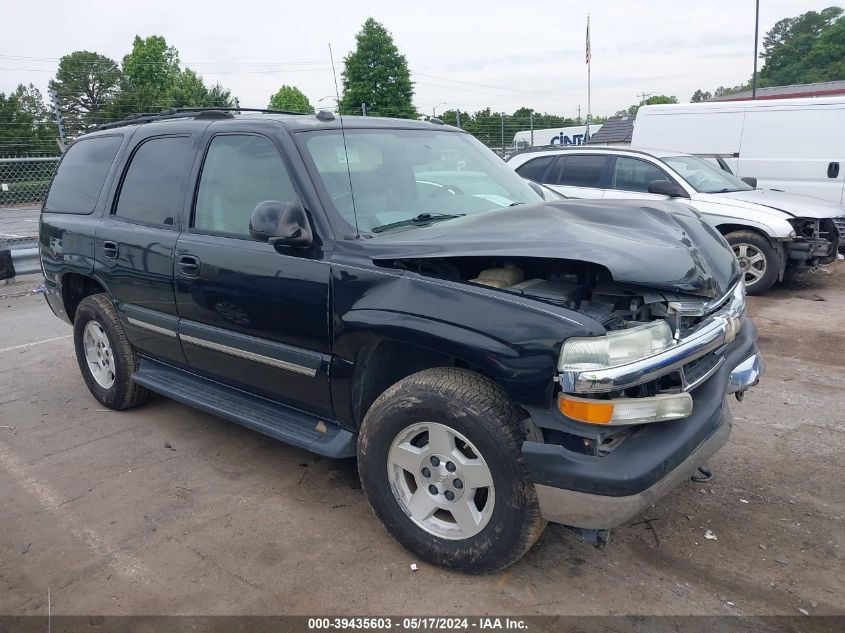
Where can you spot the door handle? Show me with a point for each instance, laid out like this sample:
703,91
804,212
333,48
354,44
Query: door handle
110,249
833,170
189,266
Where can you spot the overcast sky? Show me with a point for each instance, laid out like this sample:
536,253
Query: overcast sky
501,54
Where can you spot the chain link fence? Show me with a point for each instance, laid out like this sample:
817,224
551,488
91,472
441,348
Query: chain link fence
23,186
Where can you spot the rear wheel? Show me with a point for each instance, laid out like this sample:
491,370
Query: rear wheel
105,357
440,459
758,260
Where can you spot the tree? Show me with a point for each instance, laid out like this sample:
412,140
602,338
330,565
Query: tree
150,74
652,100
699,96
807,48
376,74
190,91
27,127
86,83
291,99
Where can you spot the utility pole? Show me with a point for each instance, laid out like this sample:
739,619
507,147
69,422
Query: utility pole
531,121
643,96
60,124
579,114
458,117
756,38
364,109
503,132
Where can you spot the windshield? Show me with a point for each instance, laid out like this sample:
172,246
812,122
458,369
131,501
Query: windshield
401,176
705,177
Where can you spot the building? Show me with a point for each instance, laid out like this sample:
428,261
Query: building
617,130
820,89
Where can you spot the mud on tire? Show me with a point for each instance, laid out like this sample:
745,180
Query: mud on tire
97,313
413,415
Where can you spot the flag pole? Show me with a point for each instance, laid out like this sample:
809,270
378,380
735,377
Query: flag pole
589,60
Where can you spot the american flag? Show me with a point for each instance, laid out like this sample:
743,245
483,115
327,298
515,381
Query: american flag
588,41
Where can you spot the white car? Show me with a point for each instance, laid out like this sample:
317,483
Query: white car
771,232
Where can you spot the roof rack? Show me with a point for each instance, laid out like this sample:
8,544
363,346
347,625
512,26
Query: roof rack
182,113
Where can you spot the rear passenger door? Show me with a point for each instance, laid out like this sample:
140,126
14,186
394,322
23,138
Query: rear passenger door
578,175
630,177
252,316
135,242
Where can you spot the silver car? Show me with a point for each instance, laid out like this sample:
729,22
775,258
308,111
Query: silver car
771,232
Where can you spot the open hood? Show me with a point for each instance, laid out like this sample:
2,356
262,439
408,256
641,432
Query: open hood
661,245
790,203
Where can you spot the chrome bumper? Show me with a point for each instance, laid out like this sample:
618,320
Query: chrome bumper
746,374
593,511
720,328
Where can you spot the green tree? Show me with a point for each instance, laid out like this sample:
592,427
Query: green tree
86,83
27,127
150,74
290,99
190,91
376,74
699,96
652,100
807,48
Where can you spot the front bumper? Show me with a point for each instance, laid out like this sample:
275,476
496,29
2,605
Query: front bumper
606,491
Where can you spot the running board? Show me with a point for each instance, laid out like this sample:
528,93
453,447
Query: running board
283,423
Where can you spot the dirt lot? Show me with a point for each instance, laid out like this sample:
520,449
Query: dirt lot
165,510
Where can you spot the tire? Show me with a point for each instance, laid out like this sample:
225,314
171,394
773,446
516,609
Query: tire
759,274
96,326
408,424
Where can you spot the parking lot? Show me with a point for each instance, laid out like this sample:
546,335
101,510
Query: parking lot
167,510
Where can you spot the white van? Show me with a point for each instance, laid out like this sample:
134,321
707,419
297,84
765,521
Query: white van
572,135
793,145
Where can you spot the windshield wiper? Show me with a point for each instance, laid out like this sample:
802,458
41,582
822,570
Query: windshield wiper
422,218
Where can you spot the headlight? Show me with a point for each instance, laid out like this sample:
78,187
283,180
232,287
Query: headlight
615,348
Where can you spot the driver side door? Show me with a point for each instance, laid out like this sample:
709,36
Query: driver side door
251,316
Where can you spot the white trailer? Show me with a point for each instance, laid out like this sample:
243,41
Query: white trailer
572,135
793,145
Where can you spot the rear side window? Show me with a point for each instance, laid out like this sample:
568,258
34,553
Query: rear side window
579,171
81,175
153,189
239,172
535,168
633,174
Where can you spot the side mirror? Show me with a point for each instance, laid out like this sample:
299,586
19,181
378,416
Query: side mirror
281,224
751,181
667,188
537,188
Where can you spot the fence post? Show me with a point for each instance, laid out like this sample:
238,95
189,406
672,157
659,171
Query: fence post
60,124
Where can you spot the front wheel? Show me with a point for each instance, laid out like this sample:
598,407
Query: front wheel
440,459
758,260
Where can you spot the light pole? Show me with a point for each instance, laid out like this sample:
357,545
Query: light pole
434,109
756,37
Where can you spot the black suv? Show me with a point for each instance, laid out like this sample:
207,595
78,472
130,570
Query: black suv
391,289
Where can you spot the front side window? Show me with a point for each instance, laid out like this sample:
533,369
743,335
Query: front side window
633,174
705,177
382,177
81,175
153,189
535,168
579,170
240,171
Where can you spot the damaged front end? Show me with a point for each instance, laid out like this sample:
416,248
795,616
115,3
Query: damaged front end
816,242
636,410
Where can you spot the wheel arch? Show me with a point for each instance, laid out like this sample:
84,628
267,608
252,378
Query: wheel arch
74,288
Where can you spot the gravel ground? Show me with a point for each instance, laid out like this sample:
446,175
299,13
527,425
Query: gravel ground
166,510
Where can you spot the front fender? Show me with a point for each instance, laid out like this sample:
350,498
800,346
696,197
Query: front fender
514,341
772,224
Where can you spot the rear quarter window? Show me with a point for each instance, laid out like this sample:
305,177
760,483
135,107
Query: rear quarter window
81,175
